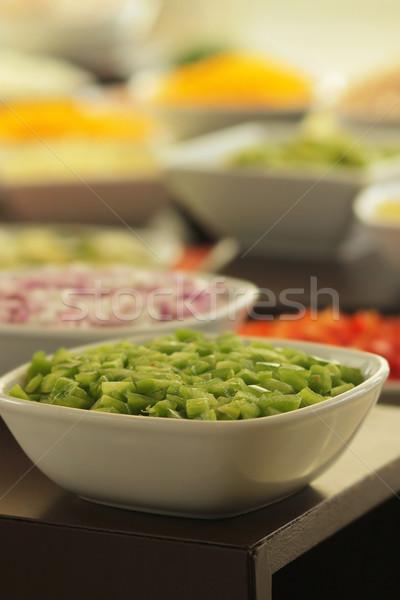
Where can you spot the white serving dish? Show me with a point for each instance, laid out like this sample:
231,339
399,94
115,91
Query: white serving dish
384,234
300,214
189,122
106,37
193,468
18,342
185,122
26,244
114,201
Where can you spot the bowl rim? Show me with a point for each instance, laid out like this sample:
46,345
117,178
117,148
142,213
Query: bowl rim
144,84
376,378
187,156
370,198
250,289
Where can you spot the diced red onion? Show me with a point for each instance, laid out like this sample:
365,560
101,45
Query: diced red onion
79,296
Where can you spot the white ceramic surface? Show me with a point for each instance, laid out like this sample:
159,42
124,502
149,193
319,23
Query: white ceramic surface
384,234
19,342
204,469
185,122
188,122
290,213
112,202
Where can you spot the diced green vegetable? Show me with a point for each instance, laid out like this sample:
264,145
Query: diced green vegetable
186,376
18,392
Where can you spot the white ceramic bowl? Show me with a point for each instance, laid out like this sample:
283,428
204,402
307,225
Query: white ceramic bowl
26,244
384,233
188,122
185,122
115,201
18,342
192,468
288,212
102,37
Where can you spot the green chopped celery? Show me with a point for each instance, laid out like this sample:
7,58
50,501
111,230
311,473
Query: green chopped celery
231,410
292,378
198,367
266,367
106,401
246,395
154,388
224,388
116,374
40,364
258,390
248,376
61,356
107,387
48,383
17,392
280,402
308,397
320,379
63,387
299,359
186,375
72,401
340,389
223,373
86,377
162,408
250,410
137,402
351,375
272,384
229,364
195,407
183,359
188,335
34,384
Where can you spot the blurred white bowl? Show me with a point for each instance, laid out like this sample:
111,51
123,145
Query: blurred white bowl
185,122
384,231
188,122
133,200
32,244
100,36
188,467
290,212
18,341
26,75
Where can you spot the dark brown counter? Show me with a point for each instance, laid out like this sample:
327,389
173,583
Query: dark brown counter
55,545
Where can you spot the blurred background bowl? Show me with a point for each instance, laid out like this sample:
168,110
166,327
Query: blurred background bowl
29,244
377,209
295,211
102,37
165,301
214,88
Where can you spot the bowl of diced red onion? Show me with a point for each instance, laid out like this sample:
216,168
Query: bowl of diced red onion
49,307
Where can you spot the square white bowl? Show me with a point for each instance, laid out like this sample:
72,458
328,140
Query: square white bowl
190,468
295,213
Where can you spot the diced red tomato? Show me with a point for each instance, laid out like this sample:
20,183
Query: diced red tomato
367,330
